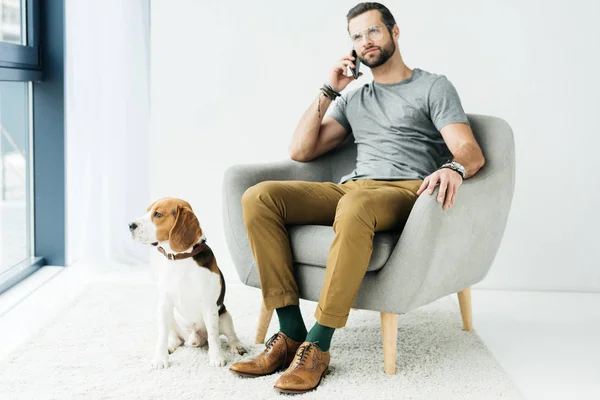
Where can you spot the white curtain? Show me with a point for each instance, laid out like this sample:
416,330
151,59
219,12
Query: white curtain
107,113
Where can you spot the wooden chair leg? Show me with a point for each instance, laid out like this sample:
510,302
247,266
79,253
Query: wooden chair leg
389,333
263,323
464,300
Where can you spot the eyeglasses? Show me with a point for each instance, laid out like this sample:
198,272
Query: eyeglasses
374,32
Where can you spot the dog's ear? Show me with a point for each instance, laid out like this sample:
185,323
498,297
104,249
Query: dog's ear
186,230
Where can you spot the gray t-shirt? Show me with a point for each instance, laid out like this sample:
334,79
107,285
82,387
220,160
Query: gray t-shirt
396,127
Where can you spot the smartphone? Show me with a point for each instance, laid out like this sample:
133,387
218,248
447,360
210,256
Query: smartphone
356,63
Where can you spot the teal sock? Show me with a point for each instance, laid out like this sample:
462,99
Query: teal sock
291,322
322,335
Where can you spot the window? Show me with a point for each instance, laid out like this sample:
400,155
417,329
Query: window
11,24
15,199
19,45
31,119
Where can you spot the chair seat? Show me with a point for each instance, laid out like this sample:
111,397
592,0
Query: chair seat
310,245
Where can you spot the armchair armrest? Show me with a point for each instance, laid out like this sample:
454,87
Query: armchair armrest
442,252
237,180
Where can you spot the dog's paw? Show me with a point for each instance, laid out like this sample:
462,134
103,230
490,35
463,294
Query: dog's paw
196,339
160,360
160,363
192,343
217,359
174,343
238,349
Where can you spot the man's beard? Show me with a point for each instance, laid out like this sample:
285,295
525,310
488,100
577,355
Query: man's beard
384,54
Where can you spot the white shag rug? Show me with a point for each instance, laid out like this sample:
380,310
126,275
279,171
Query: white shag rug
100,347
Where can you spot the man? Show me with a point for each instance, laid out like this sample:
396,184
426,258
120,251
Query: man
412,135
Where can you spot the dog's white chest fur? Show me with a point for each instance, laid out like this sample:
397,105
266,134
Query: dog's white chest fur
191,292
193,289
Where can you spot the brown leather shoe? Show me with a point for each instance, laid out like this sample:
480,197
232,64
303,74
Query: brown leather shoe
306,370
278,355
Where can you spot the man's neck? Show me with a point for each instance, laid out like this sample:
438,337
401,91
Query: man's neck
393,71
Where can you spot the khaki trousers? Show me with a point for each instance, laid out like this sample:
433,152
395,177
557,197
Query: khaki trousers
356,209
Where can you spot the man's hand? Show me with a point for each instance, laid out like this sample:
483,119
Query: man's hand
449,181
338,78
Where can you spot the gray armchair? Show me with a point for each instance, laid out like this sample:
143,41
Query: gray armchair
437,253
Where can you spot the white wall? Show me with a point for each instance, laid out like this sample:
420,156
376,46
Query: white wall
230,82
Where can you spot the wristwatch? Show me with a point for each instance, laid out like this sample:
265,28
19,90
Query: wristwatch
453,165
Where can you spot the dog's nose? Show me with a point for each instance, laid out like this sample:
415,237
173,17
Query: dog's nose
132,226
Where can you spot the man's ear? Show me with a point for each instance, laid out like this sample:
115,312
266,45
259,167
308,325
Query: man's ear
186,230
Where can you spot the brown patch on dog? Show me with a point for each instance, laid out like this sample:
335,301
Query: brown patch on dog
221,299
175,221
206,259
222,310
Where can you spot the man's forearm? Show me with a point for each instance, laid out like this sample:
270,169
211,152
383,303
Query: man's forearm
306,135
469,156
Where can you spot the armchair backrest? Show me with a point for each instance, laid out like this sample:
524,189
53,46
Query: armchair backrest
493,134
495,137
343,159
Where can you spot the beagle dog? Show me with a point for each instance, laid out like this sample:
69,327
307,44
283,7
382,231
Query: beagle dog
191,286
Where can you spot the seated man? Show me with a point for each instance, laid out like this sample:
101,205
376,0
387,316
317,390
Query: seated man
411,133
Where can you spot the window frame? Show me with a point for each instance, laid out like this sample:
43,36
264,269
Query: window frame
41,63
22,62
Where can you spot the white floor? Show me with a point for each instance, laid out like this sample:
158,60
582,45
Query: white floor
549,343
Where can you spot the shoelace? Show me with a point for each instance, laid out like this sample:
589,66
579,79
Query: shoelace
272,341
303,353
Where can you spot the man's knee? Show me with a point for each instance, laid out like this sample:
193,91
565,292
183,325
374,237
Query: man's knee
256,197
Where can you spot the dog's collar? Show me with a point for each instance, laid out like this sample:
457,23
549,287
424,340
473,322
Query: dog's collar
180,256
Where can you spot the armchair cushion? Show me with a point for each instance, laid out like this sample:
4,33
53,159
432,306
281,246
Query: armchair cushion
310,245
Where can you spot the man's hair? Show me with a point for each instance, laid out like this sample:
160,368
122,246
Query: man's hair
360,8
